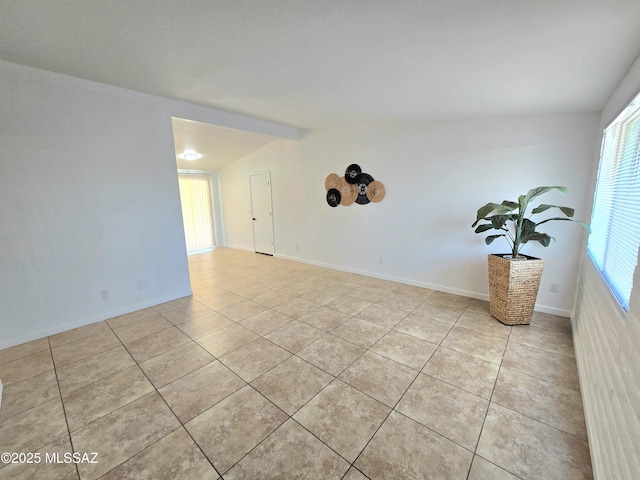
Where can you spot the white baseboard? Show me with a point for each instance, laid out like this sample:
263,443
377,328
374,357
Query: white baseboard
6,343
238,247
407,281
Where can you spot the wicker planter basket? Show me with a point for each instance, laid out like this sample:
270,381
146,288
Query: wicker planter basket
513,288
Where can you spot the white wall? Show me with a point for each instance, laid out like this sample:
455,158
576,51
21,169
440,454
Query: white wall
88,200
436,176
606,344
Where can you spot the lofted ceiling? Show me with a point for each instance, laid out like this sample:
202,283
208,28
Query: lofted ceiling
320,64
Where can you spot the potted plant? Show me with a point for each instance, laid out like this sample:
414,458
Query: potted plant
514,278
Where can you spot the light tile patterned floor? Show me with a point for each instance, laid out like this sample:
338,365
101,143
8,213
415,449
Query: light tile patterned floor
281,370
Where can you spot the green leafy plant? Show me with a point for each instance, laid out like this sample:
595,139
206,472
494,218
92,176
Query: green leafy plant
510,218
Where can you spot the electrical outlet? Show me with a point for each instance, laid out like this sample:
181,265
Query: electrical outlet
554,287
104,294
141,285
380,260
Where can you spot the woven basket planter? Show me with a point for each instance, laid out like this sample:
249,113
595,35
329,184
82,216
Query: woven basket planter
513,288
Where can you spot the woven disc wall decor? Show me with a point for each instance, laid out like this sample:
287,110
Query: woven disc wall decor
333,197
332,181
375,191
348,191
355,187
352,173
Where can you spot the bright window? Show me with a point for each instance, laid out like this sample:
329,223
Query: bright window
615,220
195,197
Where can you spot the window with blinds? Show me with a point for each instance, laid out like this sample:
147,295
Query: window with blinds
615,220
197,215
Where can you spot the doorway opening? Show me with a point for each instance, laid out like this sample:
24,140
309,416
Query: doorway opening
207,149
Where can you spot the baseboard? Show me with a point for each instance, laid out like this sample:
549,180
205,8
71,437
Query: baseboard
6,343
238,247
408,281
561,312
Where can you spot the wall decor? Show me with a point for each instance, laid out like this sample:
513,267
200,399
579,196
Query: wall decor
375,191
349,192
354,187
332,181
352,173
333,197
363,181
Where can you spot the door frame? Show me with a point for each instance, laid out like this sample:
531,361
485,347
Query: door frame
253,230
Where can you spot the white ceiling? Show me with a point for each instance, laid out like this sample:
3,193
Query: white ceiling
219,146
314,64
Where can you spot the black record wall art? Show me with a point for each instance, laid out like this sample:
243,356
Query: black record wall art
352,172
333,197
355,187
363,181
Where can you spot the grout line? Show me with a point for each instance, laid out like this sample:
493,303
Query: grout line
289,417
27,355
394,409
64,410
155,389
486,414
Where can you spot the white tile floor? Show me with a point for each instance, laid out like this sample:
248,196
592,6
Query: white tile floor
277,370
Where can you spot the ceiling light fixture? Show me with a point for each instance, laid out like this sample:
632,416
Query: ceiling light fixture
190,155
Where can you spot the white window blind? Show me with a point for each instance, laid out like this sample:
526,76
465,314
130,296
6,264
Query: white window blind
615,220
195,197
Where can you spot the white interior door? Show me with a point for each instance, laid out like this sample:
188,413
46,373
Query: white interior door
262,213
